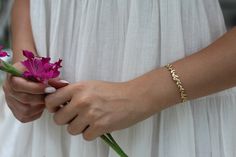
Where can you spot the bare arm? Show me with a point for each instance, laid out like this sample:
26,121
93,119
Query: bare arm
107,106
24,98
22,38
211,70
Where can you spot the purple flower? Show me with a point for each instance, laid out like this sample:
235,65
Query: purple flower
39,68
3,53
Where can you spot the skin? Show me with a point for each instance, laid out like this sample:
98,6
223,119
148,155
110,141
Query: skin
93,108
98,107
24,98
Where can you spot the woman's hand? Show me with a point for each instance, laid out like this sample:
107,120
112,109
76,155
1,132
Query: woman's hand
24,98
95,107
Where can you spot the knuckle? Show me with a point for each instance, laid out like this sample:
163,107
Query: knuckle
87,99
82,102
99,125
91,114
80,86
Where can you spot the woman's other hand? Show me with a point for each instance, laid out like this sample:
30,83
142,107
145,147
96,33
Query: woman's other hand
25,98
97,107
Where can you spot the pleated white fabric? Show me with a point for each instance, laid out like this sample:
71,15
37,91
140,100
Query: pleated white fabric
117,40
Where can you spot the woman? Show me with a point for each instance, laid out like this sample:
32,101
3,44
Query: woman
124,46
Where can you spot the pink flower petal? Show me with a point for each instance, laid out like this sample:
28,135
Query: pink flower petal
40,69
45,60
55,74
3,54
28,54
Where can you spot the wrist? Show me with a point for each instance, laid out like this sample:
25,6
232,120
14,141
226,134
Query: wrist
156,89
18,54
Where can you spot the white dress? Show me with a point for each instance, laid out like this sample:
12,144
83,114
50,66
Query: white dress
117,40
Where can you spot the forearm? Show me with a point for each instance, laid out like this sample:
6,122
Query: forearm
209,71
22,38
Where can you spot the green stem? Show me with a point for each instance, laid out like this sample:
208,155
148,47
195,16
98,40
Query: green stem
115,143
107,141
10,69
111,138
113,146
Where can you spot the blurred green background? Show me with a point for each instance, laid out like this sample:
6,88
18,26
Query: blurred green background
5,8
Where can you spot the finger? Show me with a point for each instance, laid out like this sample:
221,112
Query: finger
77,126
66,113
24,110
97,128
27,119
22,85
32,118
27,98
92,132
57,83
58,98
23,97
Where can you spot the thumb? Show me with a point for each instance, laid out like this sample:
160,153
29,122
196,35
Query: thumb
57,83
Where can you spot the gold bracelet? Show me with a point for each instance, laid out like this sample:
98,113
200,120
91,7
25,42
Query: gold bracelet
177,81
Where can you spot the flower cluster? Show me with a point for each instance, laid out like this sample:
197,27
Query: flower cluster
3,53
39,68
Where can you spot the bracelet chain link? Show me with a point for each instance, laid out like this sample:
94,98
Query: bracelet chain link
178,82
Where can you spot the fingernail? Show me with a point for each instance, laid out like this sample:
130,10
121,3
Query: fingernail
49,90
64,81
